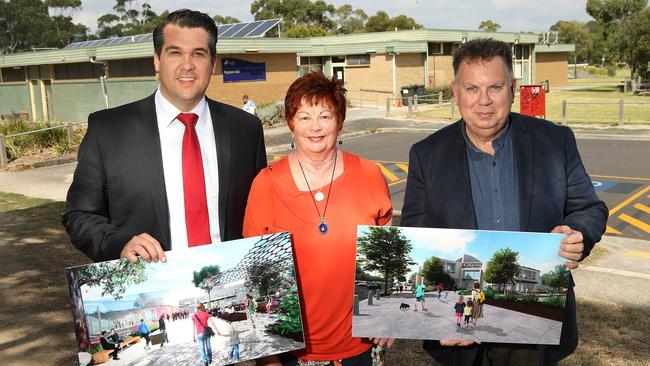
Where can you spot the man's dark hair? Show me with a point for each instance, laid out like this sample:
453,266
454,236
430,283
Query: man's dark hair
483,49
186,18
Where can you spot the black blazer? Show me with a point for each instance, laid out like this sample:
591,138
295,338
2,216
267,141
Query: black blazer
118,189
554,190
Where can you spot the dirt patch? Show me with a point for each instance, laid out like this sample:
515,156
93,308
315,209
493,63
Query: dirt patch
45,158
34,252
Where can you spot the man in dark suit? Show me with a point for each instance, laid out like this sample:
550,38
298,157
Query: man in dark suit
169,171
108,345
497,170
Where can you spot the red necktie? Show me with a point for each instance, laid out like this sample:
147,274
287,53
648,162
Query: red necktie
196,206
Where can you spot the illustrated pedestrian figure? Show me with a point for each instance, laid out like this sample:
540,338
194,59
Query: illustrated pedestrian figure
144,331
459,308
419,297
234,343
200,320
478,298
109,345
251,307
468,312
439,288
401,288
163,328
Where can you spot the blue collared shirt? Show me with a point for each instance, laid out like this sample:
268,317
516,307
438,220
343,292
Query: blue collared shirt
495,189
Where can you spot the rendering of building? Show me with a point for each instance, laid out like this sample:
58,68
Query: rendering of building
67,84
468,270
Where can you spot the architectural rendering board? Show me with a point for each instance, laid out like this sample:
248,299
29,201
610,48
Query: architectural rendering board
519,277
120,295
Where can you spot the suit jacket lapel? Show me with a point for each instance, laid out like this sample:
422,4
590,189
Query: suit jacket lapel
458,153
222,139
146,126
524,155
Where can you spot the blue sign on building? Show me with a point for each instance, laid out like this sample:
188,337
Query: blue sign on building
235,70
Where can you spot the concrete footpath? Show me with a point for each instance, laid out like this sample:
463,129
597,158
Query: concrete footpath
618,277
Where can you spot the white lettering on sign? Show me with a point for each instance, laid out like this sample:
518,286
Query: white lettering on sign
472,264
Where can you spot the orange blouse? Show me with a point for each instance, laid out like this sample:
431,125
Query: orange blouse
325,263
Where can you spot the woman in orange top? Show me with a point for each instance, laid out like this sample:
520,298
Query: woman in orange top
320,194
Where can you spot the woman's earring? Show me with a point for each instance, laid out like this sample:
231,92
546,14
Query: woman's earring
293,146
340,142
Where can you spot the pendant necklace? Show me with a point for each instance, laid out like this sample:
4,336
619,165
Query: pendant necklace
322,226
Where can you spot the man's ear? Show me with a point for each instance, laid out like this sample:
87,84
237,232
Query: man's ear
156,62
454,88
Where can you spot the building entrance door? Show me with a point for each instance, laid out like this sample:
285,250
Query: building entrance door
339,72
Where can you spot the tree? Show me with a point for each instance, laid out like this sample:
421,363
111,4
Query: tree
349,20
489,26
503,267
619,25
588,45
296,12
203,279
434,272
127,20
639,54
264,279
557,278
385,250
381,22
225,19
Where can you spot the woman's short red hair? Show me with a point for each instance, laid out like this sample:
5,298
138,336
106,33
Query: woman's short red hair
315,88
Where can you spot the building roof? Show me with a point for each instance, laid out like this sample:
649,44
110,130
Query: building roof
548,48
468,258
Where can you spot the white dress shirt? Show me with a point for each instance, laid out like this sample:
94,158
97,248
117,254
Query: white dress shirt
171,132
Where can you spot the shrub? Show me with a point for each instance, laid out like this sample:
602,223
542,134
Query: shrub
271,114
55,139
489,292
432,93
530,299
555,301
611,70
287,314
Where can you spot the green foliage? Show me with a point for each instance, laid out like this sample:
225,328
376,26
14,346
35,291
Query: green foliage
385,250
489,26
304,31
557,278
381,22
95,348
56,139
528,299
489,292
555,301
434,272
287,314
271,114
113,277
349,20
264,279
586,36
503,267
361,275
225,19
447,93
127,20
293,12
595,70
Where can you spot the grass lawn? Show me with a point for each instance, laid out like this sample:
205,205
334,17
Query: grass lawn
600,92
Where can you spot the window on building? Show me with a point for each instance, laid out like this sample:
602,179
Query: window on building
472,275
338,59
442,48
450,267
309,64
356,60
81,70
137,67
10,74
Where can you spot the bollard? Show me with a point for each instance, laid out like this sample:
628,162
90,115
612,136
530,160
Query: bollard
410,110
415,102
3,152
70,133
387,106
564,112
453,109
370,294
621,112
439,99
379,294
355,305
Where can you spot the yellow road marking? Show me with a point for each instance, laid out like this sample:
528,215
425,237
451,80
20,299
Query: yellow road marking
392,177
616,177
402,166
642,207
627,201
638,253
632,221
398,182
611,230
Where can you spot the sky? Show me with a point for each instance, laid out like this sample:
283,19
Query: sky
174,277
512,15
536,250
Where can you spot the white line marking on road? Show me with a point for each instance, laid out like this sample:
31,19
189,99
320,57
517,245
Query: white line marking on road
617,272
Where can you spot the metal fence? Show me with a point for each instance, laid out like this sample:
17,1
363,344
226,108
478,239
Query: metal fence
3,138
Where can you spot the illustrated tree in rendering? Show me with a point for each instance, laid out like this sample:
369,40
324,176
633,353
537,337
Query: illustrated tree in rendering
557,278
385,250
263,278
203,279
503,267
434,272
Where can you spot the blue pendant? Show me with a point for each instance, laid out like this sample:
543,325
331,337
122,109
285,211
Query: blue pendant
322,227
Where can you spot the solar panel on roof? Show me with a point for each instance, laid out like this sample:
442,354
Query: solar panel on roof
247,29
234,29
224,28
264,27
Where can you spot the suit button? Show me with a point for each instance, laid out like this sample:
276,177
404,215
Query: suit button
499,221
